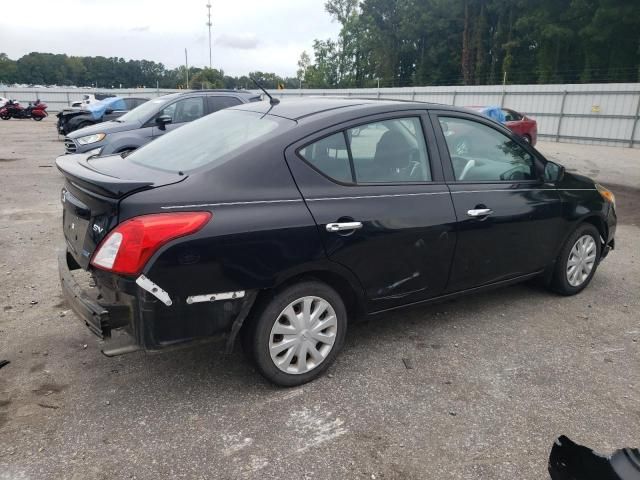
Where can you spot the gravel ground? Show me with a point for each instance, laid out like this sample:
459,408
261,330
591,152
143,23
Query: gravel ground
495,378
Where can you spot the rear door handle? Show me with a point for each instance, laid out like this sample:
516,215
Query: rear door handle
479,212
339,227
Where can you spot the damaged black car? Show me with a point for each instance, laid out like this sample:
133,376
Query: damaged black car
110,108
281,223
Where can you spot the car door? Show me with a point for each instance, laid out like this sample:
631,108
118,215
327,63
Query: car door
509,220
181,111
375,189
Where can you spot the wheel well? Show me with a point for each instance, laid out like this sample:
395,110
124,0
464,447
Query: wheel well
600,225
336,281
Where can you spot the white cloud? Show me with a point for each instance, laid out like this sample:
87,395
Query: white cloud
247,41
160,31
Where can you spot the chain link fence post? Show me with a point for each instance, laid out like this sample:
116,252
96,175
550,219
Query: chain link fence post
635,123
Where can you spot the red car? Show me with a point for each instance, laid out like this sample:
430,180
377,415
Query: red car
519,123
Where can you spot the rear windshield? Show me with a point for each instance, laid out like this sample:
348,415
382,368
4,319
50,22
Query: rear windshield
207,141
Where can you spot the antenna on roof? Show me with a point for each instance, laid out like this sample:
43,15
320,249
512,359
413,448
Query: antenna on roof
272,101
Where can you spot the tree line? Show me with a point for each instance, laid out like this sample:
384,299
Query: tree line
476,42
102,72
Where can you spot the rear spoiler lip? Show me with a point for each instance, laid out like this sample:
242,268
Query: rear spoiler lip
78,171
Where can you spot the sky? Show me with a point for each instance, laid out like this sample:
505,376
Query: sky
247,35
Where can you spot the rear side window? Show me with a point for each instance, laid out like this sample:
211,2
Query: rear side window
330,156
390,151
511,116
219,102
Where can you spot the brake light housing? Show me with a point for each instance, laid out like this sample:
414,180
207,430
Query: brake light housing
128,247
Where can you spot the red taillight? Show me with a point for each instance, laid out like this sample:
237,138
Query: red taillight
131,244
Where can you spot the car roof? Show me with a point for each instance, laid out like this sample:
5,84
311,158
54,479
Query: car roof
301,108
221,92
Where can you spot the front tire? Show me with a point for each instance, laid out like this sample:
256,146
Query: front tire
527,138
37,119
578,260
296,335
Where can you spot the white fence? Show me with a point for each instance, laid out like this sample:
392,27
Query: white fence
600,114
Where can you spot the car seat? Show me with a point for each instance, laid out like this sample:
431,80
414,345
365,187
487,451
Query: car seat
392,158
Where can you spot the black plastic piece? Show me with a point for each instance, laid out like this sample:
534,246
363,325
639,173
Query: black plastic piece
571,461
99,318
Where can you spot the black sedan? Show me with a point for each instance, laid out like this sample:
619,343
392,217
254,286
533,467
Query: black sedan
281,223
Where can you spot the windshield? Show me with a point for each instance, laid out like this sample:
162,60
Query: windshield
207,141
142,112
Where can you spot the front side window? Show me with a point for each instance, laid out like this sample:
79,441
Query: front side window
185,110
389,151
142,112
482,154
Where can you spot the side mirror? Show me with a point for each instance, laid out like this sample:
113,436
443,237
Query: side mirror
163,121
553,172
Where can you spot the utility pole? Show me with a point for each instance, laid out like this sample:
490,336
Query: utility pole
186,64
209,24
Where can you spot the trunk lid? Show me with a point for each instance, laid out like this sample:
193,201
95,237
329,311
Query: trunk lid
92,193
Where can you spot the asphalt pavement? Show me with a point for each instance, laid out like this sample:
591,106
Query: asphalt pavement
476,388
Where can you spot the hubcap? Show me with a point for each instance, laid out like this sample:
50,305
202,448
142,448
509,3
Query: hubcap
303,335
581,260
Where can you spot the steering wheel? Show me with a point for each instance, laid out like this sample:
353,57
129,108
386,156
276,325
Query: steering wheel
468,165
512,174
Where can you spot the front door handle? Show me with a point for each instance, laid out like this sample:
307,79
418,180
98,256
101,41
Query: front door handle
339,227
479,212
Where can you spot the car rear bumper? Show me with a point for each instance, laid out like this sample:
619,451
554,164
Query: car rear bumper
141,320
99,318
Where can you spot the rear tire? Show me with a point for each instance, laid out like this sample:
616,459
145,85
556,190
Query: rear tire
37,119
527,138
5,117
578,261
305,319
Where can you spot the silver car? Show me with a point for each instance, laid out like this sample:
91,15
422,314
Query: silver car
152,120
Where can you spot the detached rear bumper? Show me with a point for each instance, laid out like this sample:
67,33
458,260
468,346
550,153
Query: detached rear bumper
100,319
145,321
